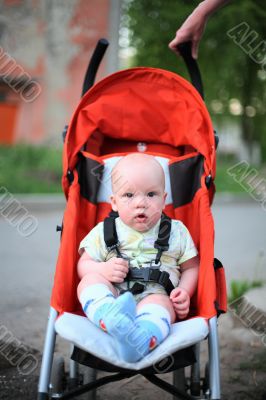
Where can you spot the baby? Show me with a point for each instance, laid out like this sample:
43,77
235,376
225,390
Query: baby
141,322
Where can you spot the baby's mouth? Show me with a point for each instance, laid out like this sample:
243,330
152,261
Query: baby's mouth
141,218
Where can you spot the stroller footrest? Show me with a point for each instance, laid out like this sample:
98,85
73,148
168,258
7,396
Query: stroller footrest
87,336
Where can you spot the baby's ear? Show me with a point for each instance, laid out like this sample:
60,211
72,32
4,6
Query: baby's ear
113,202
164,197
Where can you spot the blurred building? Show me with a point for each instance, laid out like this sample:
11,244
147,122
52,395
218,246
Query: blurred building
45,47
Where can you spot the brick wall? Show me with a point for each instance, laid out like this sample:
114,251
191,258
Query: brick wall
50,42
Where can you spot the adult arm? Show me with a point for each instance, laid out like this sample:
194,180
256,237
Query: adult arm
193,27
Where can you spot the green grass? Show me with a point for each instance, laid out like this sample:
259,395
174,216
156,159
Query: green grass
239,287
226,183
30,169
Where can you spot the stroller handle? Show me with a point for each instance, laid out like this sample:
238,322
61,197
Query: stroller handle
192,66
183,48
94,63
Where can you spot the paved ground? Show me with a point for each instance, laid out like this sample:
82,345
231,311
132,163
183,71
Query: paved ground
27,264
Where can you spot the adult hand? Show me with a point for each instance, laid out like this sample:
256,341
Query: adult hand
191,31
115,269
181,301
193,27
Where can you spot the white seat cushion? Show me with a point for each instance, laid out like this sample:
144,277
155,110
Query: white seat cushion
85,335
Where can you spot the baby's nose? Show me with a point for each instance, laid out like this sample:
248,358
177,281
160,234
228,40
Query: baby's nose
141,202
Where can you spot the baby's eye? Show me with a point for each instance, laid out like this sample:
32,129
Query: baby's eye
151,194
128,195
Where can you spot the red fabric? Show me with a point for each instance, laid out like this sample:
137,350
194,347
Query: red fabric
140,105
165,111
221,296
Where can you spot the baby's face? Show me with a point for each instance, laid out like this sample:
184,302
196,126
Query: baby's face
139,195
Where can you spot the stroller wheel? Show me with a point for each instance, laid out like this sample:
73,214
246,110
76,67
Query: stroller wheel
58,376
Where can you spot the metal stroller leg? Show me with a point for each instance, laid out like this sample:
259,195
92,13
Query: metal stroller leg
214,358
73,373
195,373
88,375
179,381
47,358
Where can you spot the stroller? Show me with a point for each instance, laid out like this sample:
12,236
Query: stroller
157,112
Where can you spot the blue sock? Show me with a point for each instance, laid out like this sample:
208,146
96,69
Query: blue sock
102,308
121,315
150,327
96,301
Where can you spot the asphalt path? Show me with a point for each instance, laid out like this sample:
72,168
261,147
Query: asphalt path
28,263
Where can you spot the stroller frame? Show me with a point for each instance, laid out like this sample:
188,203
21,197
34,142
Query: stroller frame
212,389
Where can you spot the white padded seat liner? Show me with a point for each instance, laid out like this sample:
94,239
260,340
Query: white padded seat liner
85,335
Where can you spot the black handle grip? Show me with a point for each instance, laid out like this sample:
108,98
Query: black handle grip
94,63
192,66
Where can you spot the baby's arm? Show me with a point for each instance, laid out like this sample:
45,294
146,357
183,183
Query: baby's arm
114,270
181,295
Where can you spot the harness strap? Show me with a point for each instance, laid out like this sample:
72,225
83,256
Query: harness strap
110,234
146,274
162,242
151,275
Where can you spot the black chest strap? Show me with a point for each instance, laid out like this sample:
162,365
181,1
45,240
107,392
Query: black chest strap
147,274
162,242
110,234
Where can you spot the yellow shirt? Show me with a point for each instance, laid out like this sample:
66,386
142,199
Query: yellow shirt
139,246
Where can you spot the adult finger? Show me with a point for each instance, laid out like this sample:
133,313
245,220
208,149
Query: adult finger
173,46
194,49
179,38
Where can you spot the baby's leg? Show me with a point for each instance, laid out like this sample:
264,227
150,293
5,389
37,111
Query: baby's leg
155,314
98,298
94,279
161,299
152,325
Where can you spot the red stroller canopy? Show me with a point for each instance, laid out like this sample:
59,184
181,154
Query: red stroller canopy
141,104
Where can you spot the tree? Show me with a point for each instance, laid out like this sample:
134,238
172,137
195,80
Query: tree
232,55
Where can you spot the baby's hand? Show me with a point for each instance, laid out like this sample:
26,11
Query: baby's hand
181,301
115,269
